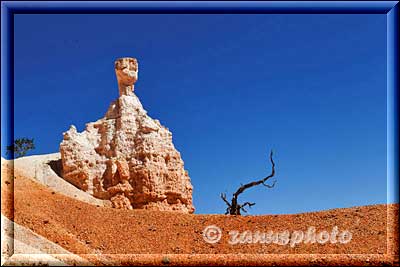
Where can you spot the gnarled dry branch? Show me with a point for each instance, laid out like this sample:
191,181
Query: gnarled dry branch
233,207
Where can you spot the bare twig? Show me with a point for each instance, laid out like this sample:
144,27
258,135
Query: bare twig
234,208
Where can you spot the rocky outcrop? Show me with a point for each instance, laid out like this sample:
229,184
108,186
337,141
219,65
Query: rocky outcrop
127,157
45,169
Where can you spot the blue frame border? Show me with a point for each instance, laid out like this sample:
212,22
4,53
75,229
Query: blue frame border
201,7
390,8
392,104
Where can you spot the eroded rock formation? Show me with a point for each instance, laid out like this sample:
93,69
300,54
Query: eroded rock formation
127,157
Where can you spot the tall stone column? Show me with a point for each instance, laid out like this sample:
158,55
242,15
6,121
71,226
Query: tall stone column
127,157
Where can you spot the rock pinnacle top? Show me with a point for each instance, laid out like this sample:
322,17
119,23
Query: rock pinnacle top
126,156
126,70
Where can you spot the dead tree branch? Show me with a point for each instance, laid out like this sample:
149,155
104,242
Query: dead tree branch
234,207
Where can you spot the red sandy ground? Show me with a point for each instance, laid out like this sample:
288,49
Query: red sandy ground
110,236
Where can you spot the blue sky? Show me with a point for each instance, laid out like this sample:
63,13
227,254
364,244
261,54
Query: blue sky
230,88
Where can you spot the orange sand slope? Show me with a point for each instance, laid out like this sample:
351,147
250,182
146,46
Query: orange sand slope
102,234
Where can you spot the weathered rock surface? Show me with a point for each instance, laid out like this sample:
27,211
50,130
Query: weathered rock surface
127,157
45,169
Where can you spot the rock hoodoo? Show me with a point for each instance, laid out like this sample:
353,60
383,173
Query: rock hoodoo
127,157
